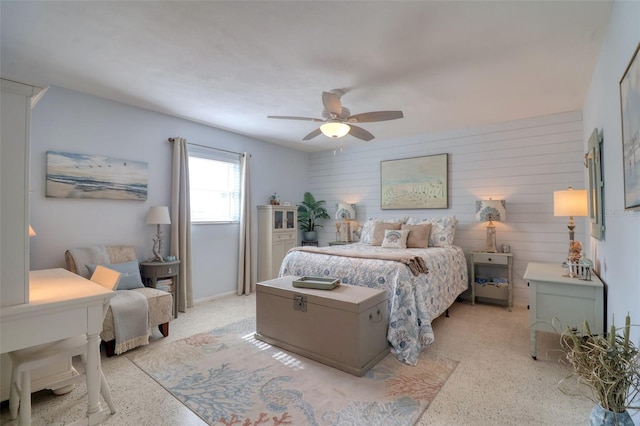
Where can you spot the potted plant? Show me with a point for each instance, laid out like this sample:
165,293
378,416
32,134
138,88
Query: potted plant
309,211
610,367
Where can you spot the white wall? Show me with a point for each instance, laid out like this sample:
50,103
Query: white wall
522,162
73,122
618,254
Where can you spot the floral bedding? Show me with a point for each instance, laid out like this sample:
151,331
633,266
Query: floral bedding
414,301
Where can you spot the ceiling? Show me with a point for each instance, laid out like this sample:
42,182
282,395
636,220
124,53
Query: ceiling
446,64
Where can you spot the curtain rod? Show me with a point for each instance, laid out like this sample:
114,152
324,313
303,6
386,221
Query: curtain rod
210,147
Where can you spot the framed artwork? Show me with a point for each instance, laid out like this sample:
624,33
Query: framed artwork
630,107
414,183
593,162
95,176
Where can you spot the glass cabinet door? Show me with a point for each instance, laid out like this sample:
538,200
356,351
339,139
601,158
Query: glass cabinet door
291,220
278,219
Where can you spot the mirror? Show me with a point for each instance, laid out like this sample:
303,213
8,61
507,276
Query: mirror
593,162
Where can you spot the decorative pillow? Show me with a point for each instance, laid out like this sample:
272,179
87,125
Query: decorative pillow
418,235
395,239
379,231
130,271
367,228
442,230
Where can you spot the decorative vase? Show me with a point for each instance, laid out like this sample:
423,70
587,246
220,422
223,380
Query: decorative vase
310,236
601,417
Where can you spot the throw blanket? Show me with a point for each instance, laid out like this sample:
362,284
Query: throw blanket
130,320
416,264
96,255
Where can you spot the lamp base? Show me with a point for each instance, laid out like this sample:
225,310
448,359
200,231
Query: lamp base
491,240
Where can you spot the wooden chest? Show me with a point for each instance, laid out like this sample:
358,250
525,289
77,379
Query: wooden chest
345,328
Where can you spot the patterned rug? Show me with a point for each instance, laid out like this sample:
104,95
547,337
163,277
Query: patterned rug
228,377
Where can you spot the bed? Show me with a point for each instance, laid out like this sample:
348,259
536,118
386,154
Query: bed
415,297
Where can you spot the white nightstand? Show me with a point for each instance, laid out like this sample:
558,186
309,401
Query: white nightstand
492,276
561,302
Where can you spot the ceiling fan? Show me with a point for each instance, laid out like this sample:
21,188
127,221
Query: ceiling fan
338,120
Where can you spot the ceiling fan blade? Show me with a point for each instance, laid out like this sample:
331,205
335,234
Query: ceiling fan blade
331,103
368,117
312,135
286,117
360,133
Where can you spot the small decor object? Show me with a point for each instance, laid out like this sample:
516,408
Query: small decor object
95,176
274,200
571,202
158,215
630,106
321,283
491,210
309,212
414,183
610,366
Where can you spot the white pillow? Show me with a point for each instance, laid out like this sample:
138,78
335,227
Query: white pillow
443,230
395,238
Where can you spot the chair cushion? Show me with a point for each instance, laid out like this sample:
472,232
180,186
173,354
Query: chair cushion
130,271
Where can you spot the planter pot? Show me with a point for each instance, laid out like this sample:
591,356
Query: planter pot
601,417
310,235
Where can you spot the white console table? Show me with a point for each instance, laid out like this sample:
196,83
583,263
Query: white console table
556,300
61,304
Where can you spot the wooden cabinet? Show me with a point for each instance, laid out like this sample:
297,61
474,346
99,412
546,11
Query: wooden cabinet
277,234
557,301
15,119
492,276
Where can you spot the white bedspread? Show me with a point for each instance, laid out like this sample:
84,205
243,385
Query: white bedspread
414,301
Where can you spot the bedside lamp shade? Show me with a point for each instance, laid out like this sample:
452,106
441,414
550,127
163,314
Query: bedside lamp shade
345,212
31,231
491,210
158,215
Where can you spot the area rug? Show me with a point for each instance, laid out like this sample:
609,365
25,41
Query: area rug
227,377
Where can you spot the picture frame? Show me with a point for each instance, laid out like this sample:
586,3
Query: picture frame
415,183
630,120
593,162
71,175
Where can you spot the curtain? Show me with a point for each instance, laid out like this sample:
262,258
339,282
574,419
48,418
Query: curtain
181,222
245,271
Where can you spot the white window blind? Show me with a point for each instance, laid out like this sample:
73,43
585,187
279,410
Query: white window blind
214,185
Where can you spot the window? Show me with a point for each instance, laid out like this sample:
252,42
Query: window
214,185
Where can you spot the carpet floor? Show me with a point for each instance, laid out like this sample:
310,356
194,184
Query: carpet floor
495,382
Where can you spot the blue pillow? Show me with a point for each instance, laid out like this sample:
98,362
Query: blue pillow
130,271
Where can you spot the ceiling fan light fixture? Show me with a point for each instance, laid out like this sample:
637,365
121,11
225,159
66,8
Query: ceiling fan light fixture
335,129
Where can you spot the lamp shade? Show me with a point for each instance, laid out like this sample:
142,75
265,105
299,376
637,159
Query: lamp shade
570,202
31,231
345,211
491,210
335,129
158,215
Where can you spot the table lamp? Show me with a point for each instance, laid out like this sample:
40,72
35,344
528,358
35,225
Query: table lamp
158,215
491,210
571,202
345,212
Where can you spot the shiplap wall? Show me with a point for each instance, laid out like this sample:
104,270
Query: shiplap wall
522,162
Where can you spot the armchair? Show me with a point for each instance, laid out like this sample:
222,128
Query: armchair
159,302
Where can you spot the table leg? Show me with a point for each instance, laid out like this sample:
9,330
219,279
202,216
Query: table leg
93,374
533,344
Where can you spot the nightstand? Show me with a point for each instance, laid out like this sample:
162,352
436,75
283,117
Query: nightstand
310,243
340,243
557,302
492,276
152,272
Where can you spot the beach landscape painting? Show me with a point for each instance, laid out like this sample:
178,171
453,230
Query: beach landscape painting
72,175
414,183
